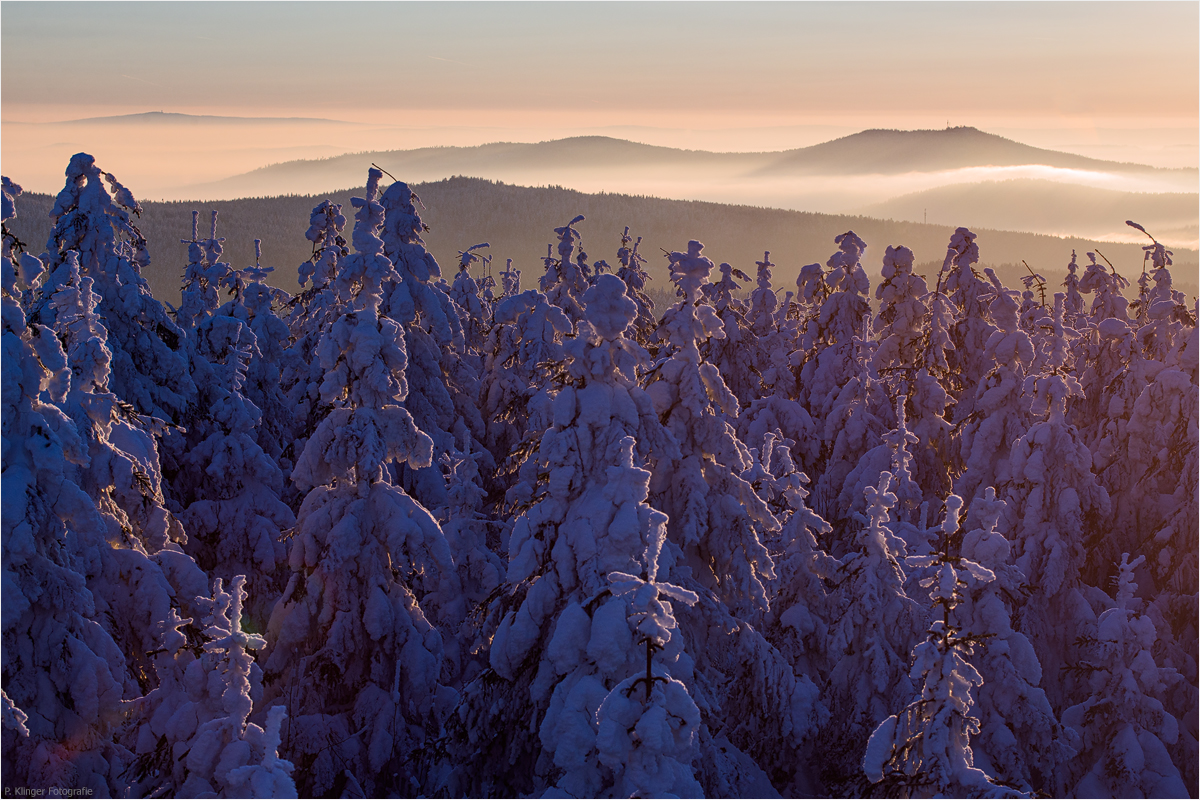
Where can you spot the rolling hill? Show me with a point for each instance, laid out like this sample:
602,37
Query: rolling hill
873,152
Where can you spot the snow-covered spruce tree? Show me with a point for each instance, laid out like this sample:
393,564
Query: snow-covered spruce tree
1053,340
352,653
925,750
564,282
149,366
230,488
1073,307
203,277
1139,418
803,608
1112,373
1056,512
877,626
121,471
312,312
562,640
650,744
635,277
829,339
837,307
1000,409
901,320
1156,510
444,384
1033,312
763,302
748,692
1108,302
62,672
971,295
28,270
914,341
255,304
123,540
475,313
510,280
715,516
475,540
1020,741
191,733
734,353
1124,726
908,516
525,340
777,326
858,418
1165,318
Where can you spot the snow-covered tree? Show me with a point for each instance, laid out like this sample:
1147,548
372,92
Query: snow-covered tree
475,311
510,280
62,671
1108,302
203,277
877,626
564,282
901,320
443,384
801,607
635,277
312,311
650,744
1020,740
1055,512
829,338
715,516
231,489
1000,412
1073,307
777,327
562,641
969,359
351,649
524,344
856,422
255,303
192,735
915,343
149,367
925,750
123,539
734,353
1124,727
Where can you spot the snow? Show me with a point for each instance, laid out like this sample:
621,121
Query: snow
406,534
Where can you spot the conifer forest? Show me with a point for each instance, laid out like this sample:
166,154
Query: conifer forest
419,531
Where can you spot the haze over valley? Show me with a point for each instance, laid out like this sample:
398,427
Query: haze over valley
952,176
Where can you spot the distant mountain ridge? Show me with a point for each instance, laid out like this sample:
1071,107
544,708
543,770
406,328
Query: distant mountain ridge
877,151
175,118
890,151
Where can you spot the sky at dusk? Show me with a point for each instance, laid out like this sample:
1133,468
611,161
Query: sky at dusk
1110,80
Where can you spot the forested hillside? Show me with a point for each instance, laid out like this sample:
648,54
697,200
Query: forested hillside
518,222
392,521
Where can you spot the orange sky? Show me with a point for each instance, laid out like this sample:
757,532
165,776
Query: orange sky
1113,80
1079,63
